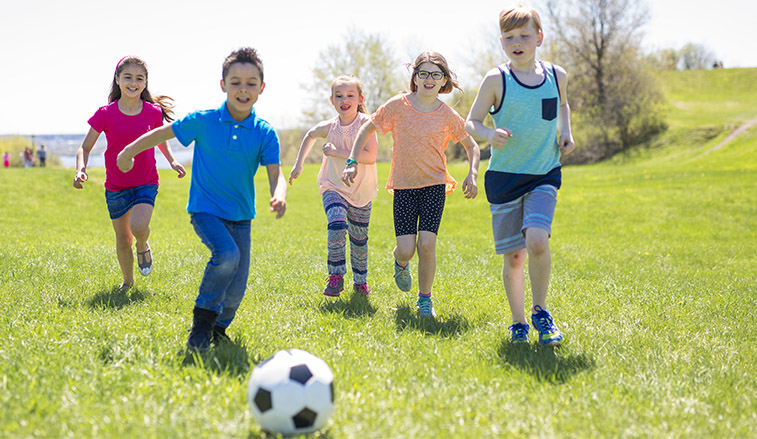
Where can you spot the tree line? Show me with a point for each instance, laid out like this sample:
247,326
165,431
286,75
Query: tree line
615,99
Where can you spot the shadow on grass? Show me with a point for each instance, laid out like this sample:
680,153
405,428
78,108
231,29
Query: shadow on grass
548,364
116,298
407,318
229,357
358,306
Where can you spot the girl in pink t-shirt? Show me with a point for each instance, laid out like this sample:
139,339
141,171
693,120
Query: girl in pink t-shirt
348,207
131,112
421,126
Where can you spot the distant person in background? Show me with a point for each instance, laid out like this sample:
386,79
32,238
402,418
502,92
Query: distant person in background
42,155
131,112
28,157
6,160
528,103
348,208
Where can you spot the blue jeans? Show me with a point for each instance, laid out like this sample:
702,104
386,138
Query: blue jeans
225,279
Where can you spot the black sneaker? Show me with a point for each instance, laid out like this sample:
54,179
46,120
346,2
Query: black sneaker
218,335
202,327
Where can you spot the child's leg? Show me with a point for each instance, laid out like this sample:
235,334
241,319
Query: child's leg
124,251
426,261
538,211
240,233
405,249
515,284
224,260
139,223
336,214
539,264
358,219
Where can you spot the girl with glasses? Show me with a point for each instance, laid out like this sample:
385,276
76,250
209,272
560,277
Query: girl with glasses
421,126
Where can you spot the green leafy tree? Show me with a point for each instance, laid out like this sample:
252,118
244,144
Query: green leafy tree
614,97
368,57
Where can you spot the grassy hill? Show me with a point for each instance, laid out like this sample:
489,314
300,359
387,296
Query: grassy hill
653,285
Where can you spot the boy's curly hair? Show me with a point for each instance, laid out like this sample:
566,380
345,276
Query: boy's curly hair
243,55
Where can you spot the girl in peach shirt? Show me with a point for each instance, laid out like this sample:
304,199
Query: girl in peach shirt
421,126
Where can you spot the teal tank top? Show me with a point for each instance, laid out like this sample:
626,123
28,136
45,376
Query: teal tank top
530,112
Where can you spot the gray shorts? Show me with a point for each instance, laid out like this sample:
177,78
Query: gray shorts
510,220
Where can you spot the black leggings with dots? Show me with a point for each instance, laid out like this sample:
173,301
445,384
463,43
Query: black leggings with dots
418,209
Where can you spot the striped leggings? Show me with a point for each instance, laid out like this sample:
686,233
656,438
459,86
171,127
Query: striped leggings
344,219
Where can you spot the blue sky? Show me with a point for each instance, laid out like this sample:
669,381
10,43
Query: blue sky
58,57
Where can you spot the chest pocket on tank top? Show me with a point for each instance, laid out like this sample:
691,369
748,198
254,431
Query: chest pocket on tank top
549,108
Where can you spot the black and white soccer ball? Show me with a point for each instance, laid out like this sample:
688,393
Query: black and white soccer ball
291,393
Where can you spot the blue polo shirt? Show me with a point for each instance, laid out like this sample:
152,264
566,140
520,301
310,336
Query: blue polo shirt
226,157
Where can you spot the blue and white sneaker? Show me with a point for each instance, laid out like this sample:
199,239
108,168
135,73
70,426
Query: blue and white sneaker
519,333
549,335
402,276
425,307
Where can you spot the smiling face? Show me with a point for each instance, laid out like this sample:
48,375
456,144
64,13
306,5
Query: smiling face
520,43
428,86
243,86
132,81
346,99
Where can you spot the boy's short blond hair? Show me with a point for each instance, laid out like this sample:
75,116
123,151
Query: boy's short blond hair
518,16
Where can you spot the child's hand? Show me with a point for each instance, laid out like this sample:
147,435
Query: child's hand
498,137
329,149
349,174
566,145
80,178
124,163
470,186
178,167
278,205
295,173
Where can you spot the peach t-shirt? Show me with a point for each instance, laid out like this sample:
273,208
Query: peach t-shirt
420,140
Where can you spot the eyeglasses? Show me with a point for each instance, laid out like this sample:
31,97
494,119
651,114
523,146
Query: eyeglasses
422,74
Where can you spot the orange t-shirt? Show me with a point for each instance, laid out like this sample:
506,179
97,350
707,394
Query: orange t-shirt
420,140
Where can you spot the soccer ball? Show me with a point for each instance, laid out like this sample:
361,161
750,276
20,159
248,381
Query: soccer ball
291,393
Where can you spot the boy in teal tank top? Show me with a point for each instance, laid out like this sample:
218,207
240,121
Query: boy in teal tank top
527,100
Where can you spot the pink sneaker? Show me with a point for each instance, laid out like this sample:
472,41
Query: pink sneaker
363,289
334,286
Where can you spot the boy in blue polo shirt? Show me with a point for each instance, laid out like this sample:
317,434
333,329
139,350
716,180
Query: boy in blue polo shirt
231,142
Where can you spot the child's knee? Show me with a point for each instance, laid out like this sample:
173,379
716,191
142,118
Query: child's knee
537,241
516,259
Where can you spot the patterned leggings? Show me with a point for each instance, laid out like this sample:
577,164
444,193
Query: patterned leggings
344,219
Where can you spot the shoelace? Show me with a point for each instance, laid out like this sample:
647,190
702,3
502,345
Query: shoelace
545,321
334,280
519,330
426,306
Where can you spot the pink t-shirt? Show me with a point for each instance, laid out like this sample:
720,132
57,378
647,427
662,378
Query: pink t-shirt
363,190
420,140
120,130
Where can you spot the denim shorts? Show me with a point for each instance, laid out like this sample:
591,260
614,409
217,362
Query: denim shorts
120,202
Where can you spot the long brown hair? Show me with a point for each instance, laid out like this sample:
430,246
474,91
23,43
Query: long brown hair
165,102
438,60
349,79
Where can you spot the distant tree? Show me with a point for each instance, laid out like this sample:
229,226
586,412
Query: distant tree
368,57
665,59
696,57
610,90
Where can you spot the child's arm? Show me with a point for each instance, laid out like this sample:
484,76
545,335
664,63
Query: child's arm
278,185
125,160
350,171
319,131
563,114
165,148
470,185
82,157
489,94
367,155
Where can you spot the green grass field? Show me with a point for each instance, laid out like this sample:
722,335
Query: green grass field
653,285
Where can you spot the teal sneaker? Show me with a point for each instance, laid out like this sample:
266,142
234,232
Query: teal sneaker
549,335
402,276
519,333
425,307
